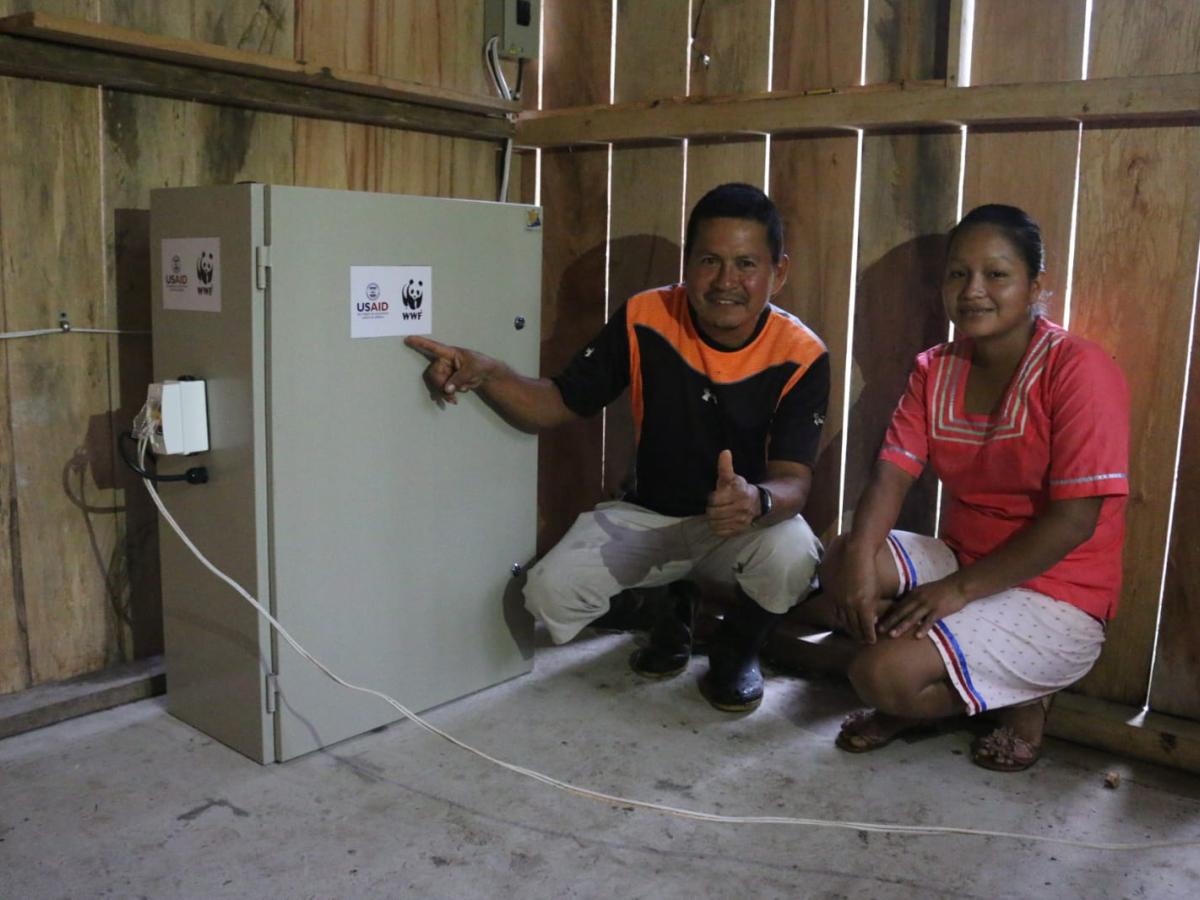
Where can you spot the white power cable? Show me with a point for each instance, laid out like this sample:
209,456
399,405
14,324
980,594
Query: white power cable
492,56
878,827
64,327
12,335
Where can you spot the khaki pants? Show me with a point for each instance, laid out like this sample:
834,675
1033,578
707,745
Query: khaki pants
619,545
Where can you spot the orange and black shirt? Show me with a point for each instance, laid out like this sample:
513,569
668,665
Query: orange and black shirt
693,398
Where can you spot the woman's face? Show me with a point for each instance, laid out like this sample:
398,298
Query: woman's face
988,290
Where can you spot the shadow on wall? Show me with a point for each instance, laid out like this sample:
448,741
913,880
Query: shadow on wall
898,314
132,572
585,462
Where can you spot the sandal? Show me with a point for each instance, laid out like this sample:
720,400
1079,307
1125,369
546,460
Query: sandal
1003,750
861,731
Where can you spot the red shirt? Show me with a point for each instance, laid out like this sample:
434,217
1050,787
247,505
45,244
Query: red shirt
1060,432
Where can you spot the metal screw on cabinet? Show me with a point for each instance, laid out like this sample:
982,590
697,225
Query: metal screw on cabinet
519,322
517,569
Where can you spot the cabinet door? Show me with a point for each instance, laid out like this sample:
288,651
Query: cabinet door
395,524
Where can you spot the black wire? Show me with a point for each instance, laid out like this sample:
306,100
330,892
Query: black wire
195,475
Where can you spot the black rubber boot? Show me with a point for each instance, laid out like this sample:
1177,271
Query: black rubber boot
734,681
626,612
670,646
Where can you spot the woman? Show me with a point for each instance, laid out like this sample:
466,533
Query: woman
1027,427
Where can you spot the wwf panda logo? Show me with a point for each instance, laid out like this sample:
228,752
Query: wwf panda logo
204,267
413,294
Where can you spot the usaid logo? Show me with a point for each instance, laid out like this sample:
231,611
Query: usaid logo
375,306
176,279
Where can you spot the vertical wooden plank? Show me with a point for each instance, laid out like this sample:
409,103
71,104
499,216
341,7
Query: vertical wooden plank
58,387
730,55
333,154
1017,41
576,56
53,585
818,43
32,211
151,142
907,40
644,248
1177,662
437,44
21,131
15,673
909,200
1138,233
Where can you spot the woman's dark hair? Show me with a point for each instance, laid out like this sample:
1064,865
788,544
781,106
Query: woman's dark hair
737,201
1017,225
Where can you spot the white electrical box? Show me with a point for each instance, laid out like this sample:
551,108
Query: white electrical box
386,534
517,23
180,415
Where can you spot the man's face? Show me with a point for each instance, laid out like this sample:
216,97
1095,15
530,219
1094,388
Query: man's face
730,278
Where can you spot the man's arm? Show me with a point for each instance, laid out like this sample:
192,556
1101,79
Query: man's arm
530,404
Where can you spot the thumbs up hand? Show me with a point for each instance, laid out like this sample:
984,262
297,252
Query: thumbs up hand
733,504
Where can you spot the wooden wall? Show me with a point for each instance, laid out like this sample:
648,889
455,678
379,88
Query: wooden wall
79,576
865,218
1130,285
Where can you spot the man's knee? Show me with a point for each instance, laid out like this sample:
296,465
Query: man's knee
550,592
777,568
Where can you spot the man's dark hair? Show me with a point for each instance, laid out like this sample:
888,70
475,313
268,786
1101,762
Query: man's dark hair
737,201
1018,226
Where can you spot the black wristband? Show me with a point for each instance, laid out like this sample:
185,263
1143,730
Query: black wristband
765,502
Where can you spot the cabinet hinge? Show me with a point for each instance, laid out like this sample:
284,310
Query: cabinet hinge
272,694
262,262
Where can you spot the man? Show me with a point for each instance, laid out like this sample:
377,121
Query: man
728,396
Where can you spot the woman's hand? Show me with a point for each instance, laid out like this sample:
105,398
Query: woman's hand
920,608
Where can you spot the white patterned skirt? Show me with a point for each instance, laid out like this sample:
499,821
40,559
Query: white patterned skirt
1009,648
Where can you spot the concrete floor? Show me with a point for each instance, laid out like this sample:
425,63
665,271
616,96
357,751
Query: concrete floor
132,803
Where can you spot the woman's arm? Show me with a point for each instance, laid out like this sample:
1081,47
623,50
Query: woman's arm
1060,529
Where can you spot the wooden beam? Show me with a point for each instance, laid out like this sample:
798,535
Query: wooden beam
26,58
1149,736
906,105
215,58
48,704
